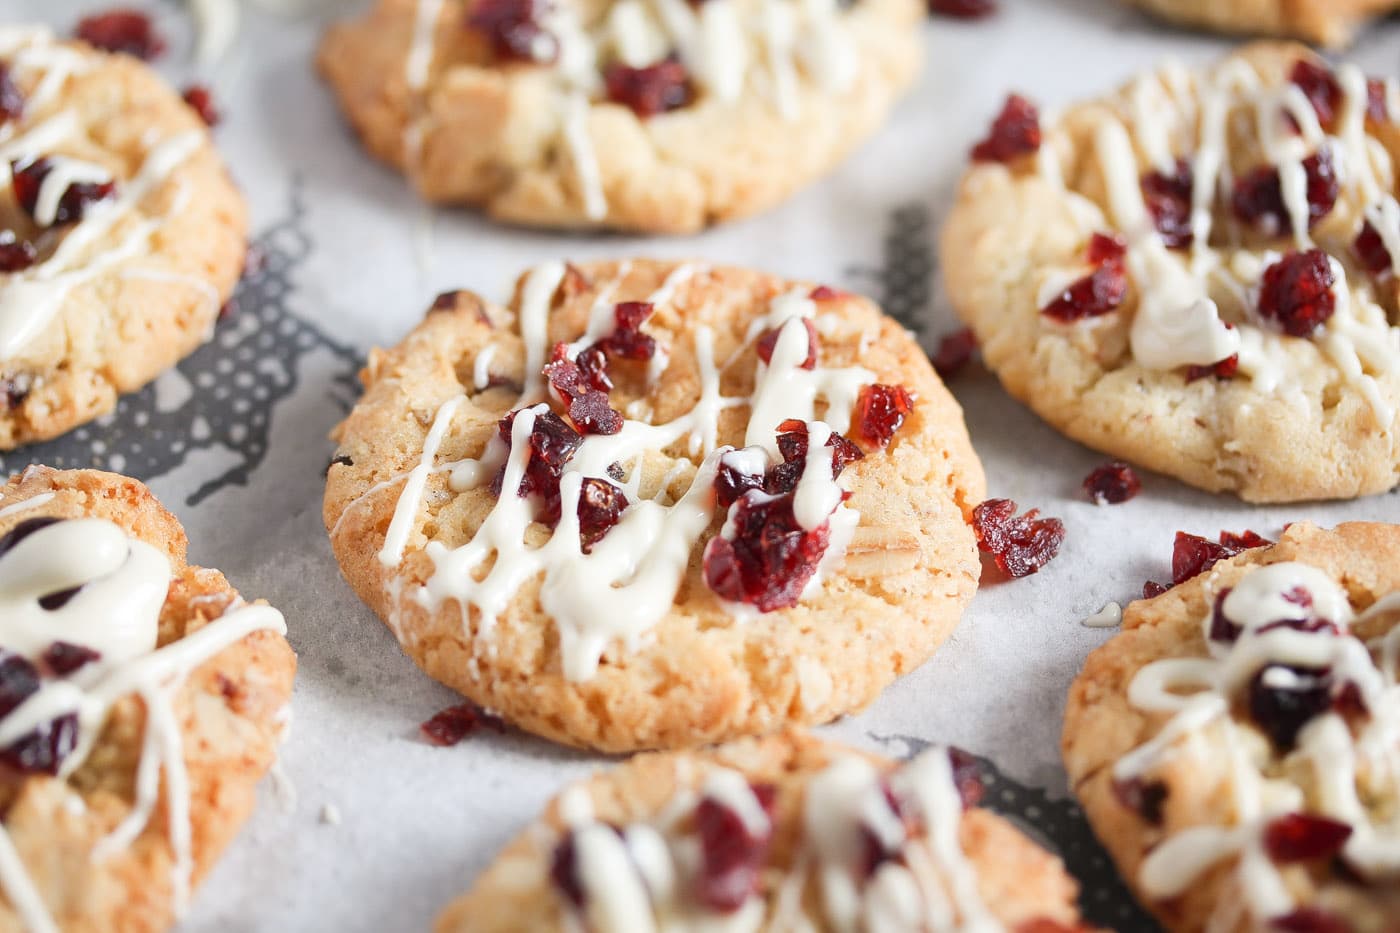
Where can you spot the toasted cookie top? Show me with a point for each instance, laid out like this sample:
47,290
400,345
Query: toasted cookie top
121,234
140,701
656,115
788,832
1329,22
645,472
1235,747
1208,285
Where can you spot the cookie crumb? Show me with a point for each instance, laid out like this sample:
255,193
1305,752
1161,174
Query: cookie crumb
330,815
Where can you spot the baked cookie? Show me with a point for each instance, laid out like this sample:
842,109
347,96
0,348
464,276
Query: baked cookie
649,115
1196,272
783,833
1235,746
1326,22
545,502
140,701
121,233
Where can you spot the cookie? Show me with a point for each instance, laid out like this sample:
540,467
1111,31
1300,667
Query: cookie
788,832
654,116
1326,22
601,565
1195,273
141,700
121,233
1234,745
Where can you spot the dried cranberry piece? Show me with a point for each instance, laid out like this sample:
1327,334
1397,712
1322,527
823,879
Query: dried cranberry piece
16,255
19,680
1015,132
452,725
771,557
1225,369
1296,292
1221,628
1319,87
1300,837
768,341
1243,541
881,410
1112,483
1258,197
589,409
42,751
1310,920
731,857
11,100
122,30
1377,101
627,342
962,9
967,776
1370,250
63,658
954,351
825,293
1193,555
1099,292
72,205
732,482
511,28
201,100
1152,589
1282,713
592,413
649,90
552,443
563,871
1145,798
1168,199
600,507
1021,545
792,444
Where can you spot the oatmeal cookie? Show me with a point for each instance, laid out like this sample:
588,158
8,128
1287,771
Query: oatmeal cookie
1326,22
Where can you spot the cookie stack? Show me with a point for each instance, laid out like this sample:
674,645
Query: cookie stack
688,510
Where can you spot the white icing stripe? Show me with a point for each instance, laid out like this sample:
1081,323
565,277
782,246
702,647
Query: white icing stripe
580,142
400,526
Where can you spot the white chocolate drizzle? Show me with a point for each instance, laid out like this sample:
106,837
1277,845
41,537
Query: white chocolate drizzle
626,584
1331,770
121,585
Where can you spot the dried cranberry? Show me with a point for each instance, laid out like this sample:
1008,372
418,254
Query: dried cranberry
1168,199
1112,483
11,100
1015,132
63,658
16,255
1310,920
1319,87
1258,197
967,776
1300,837
1225,369
1097,293
1048,925
1281,712
1222,629
15,389
1021,545
593,415
730,856
1377,101
1243,541
42,750
1349,701
1370,249
552,443
122,30
588,406
511,28
954,352
649,90
962,9
825,293
792,445
1152,589
19,680
72,204
771,557
201,100
626,340
563,871
455,723
1145,798
732,482
1193,555
1296,292
768,341
600,507
880,411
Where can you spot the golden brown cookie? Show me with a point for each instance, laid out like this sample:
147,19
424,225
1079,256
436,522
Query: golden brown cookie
121,233
1326,22
650,115
1195,273
610,572
1234,746
787,832
141,700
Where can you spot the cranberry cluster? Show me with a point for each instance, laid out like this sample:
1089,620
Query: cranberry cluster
1193,555
651,89
1099,292
513,30
1296,292
72,205
122,30
1020,544
1258,196
1168,199
1015,133
1323,91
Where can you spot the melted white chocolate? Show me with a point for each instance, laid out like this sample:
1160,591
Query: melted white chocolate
121,585
1339,760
